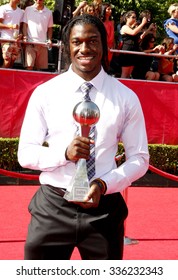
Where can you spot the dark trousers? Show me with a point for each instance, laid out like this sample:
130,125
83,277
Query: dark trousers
58,226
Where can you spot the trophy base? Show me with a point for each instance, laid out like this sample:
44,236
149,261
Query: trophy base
77,195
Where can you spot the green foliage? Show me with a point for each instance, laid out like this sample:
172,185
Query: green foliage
8,153
2,2
50,4
163,157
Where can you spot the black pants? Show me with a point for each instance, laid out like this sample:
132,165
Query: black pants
57,227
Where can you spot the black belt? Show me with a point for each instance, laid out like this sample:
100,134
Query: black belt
60,191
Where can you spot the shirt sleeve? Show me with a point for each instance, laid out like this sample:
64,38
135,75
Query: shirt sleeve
135,143
31,152
168,21
50,24
2,12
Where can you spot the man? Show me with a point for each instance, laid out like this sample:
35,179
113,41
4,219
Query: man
37,27
58,225
10,24
171,24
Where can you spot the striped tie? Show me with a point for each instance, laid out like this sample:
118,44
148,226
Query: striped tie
85,88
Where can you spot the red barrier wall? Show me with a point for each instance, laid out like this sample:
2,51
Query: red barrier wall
159,102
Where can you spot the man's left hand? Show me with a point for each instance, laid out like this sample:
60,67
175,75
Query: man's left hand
94,194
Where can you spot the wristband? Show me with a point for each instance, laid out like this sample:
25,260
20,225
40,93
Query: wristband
101,184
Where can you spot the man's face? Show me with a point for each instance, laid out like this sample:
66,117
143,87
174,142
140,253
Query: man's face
15,2
86,50
39,2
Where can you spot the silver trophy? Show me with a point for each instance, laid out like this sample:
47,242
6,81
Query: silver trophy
86,113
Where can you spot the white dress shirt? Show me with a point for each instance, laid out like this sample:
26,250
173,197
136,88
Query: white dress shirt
10,17
49,118
38,23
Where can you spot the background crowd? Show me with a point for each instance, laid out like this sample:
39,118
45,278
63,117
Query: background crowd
136,33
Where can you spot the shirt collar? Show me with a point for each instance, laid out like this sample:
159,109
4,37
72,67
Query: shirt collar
98,80
77,81
41,11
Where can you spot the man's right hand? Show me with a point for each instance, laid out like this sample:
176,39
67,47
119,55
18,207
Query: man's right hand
79,148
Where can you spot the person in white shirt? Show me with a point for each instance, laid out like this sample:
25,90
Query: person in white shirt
10,28
37,27
58,225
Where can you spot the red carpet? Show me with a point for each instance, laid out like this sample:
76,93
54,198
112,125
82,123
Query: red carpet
152,221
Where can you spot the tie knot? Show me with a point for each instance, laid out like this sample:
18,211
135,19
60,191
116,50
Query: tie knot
85,88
